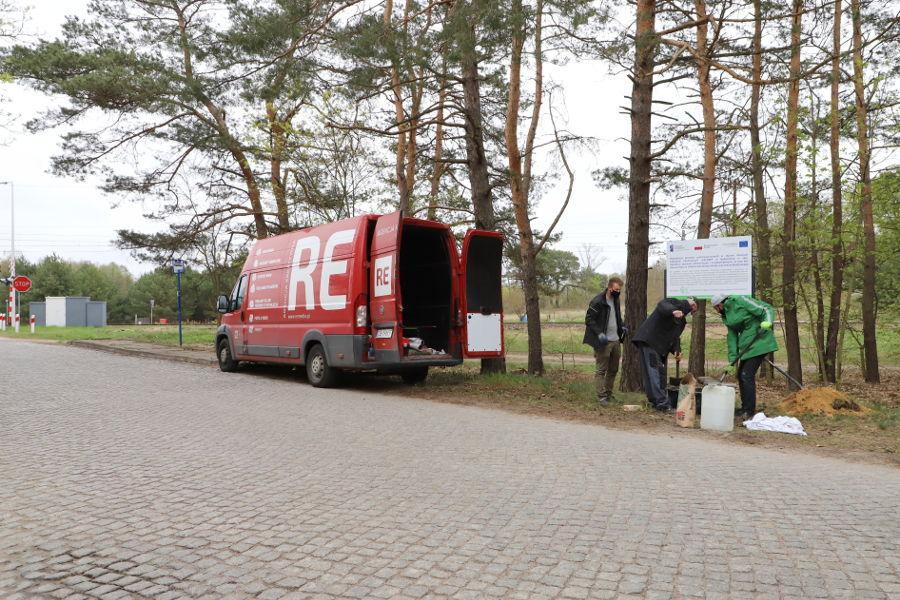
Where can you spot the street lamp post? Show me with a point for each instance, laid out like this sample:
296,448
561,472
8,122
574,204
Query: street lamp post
11,311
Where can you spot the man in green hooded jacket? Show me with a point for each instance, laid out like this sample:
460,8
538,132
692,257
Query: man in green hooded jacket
750,338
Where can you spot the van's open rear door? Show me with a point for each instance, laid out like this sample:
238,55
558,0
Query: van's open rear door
482,297
384,304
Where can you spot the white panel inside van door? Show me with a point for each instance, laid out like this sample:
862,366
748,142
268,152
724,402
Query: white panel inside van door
484,333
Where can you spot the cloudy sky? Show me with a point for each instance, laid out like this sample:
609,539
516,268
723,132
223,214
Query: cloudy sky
76,221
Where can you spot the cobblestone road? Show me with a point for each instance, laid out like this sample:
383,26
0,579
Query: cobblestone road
125,477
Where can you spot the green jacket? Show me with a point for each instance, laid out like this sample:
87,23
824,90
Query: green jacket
742,316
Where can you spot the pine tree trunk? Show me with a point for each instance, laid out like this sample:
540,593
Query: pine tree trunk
870,345
697,364
763,233
519,192
789,290
276,156
818,325
438,153
403,204
639,188
837,246
476,161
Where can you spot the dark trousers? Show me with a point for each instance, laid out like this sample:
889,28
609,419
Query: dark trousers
747,383
607,360
653,368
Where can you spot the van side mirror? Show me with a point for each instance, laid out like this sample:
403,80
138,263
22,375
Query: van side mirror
223,304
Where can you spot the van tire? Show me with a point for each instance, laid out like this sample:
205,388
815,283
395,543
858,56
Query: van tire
414,376
223,353
318,371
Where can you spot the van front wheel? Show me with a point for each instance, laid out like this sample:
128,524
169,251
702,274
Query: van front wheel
414,376
319,373
226,361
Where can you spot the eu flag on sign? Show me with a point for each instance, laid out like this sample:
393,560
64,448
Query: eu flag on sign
743,243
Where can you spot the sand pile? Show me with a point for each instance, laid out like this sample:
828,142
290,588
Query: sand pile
820,401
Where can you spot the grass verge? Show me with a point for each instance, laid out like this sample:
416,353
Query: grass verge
196,336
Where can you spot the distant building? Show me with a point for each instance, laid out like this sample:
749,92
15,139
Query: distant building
69,311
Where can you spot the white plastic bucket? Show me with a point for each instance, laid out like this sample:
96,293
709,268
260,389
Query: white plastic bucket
718,408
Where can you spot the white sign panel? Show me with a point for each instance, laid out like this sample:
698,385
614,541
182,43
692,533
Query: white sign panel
704,268
484,333
384,266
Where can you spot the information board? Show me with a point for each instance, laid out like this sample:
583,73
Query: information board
705,268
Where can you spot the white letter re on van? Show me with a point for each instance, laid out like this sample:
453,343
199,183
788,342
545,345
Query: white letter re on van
303,274
333,267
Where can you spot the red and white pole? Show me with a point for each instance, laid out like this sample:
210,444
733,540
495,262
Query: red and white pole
3,322
12,255
32,321
17,322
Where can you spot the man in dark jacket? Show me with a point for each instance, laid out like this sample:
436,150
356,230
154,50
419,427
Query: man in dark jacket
657,337
604,332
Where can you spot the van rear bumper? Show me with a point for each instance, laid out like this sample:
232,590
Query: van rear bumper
352,352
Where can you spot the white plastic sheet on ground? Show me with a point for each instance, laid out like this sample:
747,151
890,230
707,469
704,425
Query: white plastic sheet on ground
760,422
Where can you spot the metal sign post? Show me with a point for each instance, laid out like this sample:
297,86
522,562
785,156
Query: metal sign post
178,268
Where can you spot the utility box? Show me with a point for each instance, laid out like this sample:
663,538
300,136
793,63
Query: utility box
96,313
74,311
38,310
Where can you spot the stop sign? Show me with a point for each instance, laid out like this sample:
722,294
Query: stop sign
21,284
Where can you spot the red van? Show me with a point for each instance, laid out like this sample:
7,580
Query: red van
387,293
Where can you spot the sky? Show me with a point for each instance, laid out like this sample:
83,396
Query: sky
75,220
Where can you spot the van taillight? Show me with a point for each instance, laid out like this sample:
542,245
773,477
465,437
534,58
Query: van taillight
362,316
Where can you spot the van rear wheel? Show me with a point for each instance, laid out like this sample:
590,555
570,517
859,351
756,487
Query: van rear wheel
319,373
223,353
414,376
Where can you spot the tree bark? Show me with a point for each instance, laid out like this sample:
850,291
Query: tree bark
763,233
438,153
277,145
760,206
789,291
476,160
837,246
519,188
818,328
697,364
870,345
399,117
639,187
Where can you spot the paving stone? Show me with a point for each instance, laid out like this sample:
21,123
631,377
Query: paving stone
125,477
